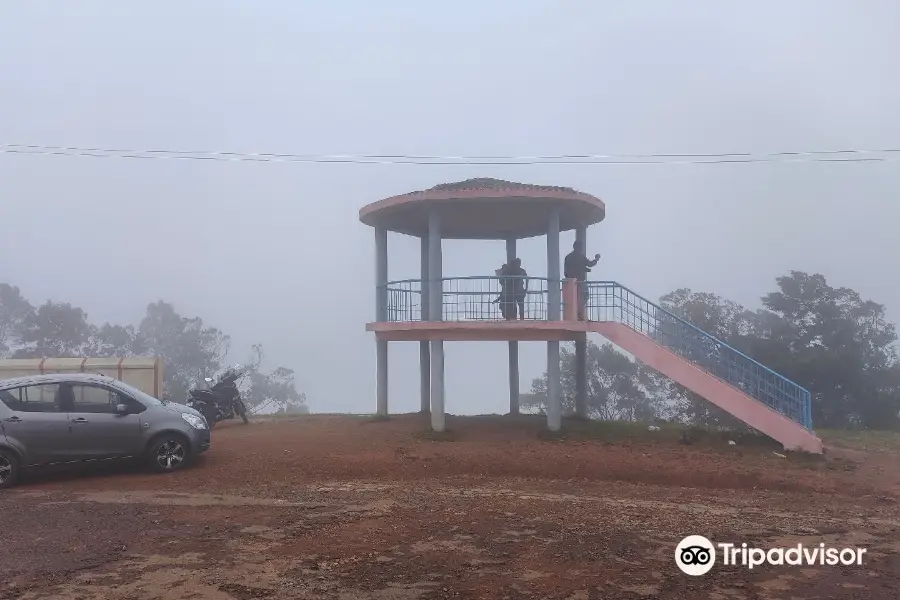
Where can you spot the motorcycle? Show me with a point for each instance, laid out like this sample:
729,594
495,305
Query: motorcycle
222,400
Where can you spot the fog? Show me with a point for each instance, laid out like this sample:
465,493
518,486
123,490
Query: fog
274,253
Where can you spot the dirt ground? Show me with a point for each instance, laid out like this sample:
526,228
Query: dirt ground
351,509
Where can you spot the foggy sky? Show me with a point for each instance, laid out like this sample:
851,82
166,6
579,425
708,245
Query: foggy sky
275,254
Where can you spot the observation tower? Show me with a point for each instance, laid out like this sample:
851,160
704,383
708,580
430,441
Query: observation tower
434,309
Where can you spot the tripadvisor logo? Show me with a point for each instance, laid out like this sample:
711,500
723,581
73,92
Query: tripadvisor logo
695,555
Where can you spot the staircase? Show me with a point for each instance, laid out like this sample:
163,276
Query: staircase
753,393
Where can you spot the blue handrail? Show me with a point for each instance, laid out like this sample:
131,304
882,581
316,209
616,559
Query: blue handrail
683,322
701,348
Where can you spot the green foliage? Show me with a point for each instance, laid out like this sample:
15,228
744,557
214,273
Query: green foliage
618,388
275,391
54,329
190,350
14,311
841,347
115,340
866,441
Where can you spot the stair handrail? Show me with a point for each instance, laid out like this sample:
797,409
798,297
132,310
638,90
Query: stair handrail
682,321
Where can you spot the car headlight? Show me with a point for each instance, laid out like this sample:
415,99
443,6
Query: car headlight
194,421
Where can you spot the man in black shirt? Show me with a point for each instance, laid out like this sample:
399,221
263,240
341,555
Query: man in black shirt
520,286
513,289
505,299
577,266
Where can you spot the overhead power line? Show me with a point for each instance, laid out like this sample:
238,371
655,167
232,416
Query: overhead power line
848,155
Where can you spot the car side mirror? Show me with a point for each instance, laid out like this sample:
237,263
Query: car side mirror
122,409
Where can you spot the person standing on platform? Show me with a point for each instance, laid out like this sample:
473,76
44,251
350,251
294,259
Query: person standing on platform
505,299
577,266
519,279
513,289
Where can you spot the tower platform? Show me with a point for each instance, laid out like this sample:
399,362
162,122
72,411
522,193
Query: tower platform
434,309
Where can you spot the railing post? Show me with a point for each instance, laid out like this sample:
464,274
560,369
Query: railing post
513,346
809,419
435,313
424,349
381,347
554,406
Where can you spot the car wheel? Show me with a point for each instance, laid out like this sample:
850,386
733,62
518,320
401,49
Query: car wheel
9,469
169,453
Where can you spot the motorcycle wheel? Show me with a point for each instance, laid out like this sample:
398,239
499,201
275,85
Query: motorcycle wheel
210,416
242,411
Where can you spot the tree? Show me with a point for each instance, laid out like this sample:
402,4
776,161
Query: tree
188,349
115,340
55,329
711,313
618,388
829,340
722,319
276,390
15,311
836,344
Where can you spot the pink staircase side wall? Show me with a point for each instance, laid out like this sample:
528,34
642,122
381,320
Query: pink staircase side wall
727,397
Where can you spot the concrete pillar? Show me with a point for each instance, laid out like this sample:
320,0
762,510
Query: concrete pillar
381,377
435,268
381,347
581,378
437,386
435,313
424,350
581,346
381,273
554,406
513,347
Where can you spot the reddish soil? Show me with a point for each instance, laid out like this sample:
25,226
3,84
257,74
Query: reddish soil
345,508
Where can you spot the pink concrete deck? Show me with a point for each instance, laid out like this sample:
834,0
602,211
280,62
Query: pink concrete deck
751,411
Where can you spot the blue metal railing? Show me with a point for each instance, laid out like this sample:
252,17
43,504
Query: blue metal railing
469,299
610,301
478,299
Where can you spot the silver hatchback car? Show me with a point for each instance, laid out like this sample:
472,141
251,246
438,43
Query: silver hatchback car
65,418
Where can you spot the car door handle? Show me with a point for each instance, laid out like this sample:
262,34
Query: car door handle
80,420
13,420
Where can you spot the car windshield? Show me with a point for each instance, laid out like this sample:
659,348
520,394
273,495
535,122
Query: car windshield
137,394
